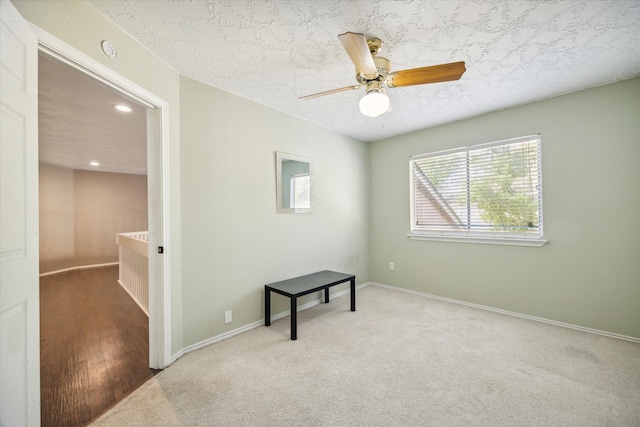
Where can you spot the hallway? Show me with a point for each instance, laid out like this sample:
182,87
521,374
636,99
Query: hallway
94,345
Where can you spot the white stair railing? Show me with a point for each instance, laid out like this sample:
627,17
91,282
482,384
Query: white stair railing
134,266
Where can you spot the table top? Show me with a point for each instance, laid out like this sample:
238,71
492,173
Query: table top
301,284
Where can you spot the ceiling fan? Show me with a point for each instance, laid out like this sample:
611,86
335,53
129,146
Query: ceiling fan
374,74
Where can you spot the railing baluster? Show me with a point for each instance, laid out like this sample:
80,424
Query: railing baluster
134,266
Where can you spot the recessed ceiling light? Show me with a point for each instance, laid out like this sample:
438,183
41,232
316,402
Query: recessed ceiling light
108,49
123,108
94,163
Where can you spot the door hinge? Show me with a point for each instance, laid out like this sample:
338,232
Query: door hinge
160,249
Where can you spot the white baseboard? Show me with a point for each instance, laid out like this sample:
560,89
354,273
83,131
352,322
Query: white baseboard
257,324
81,267
310,304
512,313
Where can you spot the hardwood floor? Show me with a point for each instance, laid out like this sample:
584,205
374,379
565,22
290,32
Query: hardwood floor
94,345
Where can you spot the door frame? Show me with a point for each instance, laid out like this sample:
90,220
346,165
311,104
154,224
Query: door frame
157,181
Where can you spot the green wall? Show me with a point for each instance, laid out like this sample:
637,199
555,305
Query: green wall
222,156
589,272
228,240
82,27
235,242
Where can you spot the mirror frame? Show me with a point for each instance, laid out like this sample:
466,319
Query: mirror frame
280,157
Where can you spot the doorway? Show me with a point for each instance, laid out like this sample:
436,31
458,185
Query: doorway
157,145
19,255
159,196
93,168
93,184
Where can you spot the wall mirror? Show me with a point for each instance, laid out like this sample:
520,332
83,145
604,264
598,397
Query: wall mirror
294,183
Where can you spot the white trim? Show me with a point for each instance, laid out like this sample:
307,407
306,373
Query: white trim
159,264
313,303
69,55
511,313
260,322
133,298
159,300
513,241
79,267
163,122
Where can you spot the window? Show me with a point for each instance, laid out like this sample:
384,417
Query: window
301,191
488,193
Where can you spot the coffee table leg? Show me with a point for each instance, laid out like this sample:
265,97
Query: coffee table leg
353,294
294,318
267,307
326,295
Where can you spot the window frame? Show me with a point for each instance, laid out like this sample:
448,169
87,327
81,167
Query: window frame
483,237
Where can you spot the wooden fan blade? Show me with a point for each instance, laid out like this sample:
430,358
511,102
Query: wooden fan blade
356,46
424,75
329,92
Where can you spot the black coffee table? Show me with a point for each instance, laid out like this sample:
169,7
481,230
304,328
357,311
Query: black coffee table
303,285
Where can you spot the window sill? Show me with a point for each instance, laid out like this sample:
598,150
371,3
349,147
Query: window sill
513,241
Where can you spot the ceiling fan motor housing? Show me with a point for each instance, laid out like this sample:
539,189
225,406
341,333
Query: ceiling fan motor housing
383,65
374,86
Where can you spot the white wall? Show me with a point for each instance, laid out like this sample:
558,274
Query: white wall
81,212
589,272
57,249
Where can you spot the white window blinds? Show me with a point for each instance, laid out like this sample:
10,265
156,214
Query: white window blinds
484,190
301,191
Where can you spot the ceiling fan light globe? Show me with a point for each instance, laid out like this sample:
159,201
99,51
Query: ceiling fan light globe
374,104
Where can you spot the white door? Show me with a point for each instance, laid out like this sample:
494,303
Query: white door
19,281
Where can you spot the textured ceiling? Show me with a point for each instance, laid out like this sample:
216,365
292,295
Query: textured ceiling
78,123
273,52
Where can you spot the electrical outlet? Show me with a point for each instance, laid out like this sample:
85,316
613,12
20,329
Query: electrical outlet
392,266
228,316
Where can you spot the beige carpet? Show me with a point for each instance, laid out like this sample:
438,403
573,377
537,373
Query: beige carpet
399,360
